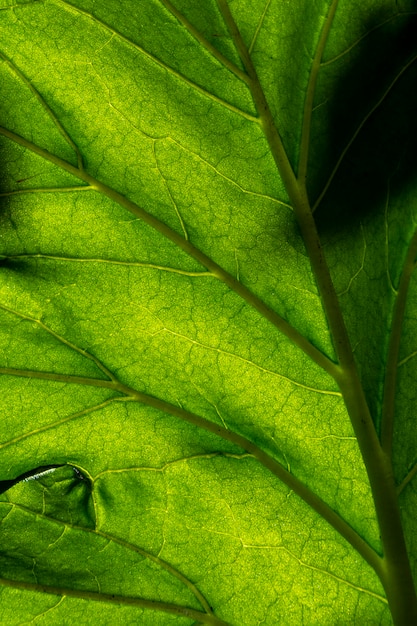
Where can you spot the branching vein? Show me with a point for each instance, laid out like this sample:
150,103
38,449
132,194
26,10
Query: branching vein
73,188
45,107
308,103
145,265
204,42
388,410
252,364
304,492
407,479
57,423
166,607
154,59
259,26
369,32
61,339
282,325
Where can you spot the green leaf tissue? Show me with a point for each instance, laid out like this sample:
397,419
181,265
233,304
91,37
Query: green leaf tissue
208,312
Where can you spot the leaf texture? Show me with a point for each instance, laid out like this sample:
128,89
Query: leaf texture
165,347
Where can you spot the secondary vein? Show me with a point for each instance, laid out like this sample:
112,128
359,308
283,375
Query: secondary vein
45,107
390,384
308,104
204,42
280,323
160,63
304,492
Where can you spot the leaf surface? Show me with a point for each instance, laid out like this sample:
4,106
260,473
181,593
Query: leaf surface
175,446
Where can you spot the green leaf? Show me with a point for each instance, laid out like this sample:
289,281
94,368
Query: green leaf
208,312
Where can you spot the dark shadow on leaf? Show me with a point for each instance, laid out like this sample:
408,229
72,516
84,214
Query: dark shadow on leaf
384,153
